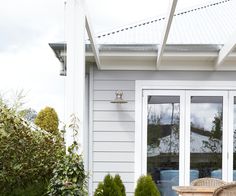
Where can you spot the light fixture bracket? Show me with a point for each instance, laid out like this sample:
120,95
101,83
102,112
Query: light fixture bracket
119,98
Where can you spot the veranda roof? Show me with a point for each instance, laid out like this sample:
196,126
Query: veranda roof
200,38
211,23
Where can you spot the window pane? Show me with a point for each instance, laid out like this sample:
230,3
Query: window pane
206,136
163,141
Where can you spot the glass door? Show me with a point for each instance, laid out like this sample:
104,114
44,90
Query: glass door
188,134
164,114
206,119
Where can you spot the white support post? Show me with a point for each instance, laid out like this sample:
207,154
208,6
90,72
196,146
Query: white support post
75,79
92,38
166,31
225,51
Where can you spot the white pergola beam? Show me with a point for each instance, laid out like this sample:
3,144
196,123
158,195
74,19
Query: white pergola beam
166,31
225,51
92,37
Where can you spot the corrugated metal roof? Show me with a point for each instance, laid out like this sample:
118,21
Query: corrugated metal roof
211,23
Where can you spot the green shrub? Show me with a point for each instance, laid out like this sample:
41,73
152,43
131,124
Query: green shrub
27,156
120,184
146,186
47,119
69,177
110,187
99,190
37,189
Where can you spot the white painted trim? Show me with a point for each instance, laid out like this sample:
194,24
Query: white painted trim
225,137
144,134
187,139
90,132
75,79
231,136
141,85
226,50
166,31
182,140
185,85
86,125
138,133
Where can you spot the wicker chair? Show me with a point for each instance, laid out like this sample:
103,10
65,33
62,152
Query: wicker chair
210,182
226,190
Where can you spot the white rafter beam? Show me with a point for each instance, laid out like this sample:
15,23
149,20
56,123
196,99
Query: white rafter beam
226,50
91,35
166,31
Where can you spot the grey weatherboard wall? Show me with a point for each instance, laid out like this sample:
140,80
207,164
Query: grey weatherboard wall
113,125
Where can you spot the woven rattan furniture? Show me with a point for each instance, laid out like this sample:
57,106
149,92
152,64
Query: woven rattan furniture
194,190
208,182
226,190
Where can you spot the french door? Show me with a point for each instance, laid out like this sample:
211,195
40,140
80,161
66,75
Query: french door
188,134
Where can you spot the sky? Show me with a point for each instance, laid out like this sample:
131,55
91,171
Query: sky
27,26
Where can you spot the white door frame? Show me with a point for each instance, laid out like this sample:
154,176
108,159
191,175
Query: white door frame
231,141
142,85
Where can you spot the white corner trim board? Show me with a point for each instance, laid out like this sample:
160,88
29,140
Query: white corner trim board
75,79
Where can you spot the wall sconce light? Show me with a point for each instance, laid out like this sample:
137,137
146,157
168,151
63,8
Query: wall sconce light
119,98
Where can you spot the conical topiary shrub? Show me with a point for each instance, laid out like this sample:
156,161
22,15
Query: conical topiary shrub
110,187
146,186
120,184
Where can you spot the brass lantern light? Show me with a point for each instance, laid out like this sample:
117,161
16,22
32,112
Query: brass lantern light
119,98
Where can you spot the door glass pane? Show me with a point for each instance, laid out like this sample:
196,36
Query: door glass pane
206,136
163,141
234,145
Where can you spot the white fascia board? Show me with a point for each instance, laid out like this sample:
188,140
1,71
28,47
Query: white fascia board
92,39
225,51
166,31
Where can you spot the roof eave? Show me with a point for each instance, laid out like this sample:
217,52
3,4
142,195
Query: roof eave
142,56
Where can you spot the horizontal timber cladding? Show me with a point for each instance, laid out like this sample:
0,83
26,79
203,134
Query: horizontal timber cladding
112,166
113,157
128,187
114,124
125,176
106,106
114,85
164,75
113,136
117,116
113,147
113,131
104,95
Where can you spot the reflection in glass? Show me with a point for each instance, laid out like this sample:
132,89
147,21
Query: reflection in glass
163,141
206,135
234,144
